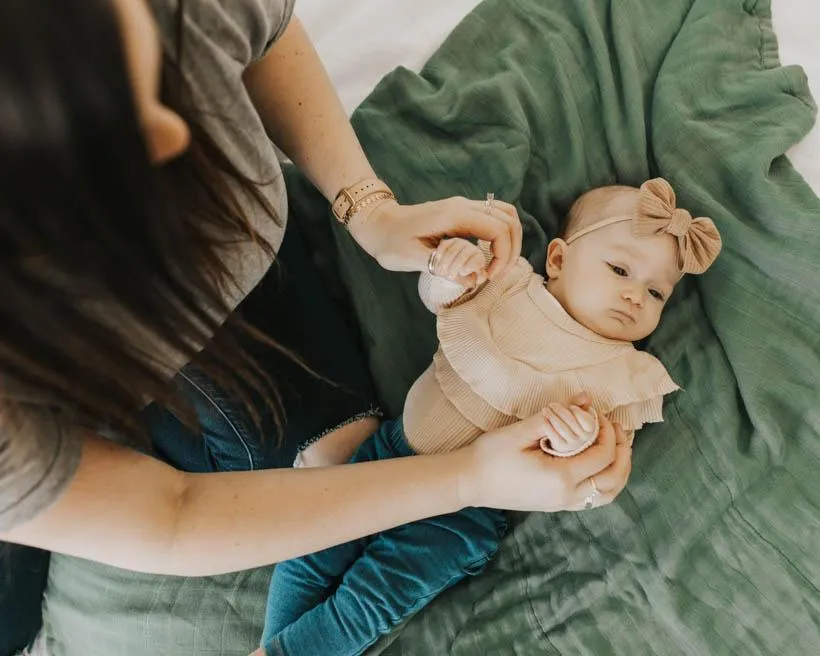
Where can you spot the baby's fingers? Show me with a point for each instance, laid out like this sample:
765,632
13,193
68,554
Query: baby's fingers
556,439
473,273
573,429
467,265
474,264
449,251
585,419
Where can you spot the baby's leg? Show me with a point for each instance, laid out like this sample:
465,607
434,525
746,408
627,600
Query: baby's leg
299,584
400,571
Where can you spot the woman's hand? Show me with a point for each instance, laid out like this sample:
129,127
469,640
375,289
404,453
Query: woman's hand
509,470
402,237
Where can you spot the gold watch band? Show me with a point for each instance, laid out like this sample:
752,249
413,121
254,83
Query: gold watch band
352,199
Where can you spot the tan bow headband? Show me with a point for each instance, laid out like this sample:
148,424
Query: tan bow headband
698,240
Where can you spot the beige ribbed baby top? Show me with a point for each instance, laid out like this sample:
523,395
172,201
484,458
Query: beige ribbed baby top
510,349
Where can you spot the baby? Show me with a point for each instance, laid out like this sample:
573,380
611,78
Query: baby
508,348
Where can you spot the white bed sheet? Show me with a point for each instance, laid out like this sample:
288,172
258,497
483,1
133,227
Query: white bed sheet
361,40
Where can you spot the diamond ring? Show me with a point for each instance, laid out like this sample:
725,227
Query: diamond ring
590,500
488,202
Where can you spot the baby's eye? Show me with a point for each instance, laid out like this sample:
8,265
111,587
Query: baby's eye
618,271
656,294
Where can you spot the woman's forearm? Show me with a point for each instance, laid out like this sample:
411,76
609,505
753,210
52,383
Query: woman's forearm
132,511
303,114
262,517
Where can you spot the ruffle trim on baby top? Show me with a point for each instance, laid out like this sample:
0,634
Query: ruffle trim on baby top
489,384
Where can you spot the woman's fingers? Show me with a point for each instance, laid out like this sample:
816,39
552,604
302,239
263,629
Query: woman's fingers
502,246
613,479
401,237
518,229
509,215
625,437
496,227
509,469
610,481
597,457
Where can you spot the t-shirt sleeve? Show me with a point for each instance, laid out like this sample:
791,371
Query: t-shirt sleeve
279,13
244,30
38,459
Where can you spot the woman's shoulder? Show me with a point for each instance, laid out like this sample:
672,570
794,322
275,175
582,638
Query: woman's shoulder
242,30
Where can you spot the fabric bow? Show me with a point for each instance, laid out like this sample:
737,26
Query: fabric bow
698,240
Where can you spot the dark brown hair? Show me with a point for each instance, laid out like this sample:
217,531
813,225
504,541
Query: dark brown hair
99,246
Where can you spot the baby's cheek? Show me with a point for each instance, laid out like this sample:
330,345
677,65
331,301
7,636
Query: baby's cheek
574,307
654,320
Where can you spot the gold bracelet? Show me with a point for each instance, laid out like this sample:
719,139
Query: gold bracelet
351,200
365,202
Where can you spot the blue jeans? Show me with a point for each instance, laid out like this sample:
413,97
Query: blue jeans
291,305
337,602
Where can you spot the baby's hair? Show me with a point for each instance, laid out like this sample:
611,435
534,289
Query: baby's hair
597,204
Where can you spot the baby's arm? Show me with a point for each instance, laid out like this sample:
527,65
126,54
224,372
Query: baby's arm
460,267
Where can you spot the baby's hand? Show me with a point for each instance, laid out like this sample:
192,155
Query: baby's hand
568,430
460,261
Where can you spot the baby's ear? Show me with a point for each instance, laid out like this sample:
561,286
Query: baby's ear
556,252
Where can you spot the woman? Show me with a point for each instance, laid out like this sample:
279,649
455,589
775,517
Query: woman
141,205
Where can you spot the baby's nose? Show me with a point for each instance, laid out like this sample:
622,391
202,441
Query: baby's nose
634,296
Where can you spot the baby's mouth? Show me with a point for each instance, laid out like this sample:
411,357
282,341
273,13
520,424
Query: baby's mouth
624,316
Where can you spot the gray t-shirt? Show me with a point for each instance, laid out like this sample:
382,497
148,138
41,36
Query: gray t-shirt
38,456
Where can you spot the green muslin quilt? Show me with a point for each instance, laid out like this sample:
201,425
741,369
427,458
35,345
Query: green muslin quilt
714,547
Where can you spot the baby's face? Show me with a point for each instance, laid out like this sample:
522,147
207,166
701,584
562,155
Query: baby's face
614,283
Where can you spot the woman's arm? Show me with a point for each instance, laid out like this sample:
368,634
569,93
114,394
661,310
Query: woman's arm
303,114
305,118
131,511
